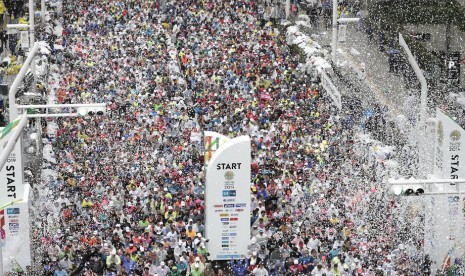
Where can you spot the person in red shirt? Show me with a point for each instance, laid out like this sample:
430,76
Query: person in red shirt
198,205
137,239
131,249
296,268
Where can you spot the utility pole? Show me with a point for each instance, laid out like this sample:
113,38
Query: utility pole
13,111
423,106
42,9
31,24
334,40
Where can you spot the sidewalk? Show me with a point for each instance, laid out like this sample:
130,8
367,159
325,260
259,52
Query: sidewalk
384,87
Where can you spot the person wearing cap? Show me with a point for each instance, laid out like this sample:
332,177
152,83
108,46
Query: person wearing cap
87,203
239,267
178,249
125,216
113,261
202,250
346,270
143,223
163,269
172,235
131,249
336,266
190,232
60,271
334,251
307,262
253,246
254,260
170,214
261,238
174,271
319,270
62,199
118,231
254,231
260,270
199,225
128,263
314,243
182,265
197,263
196,270
199,239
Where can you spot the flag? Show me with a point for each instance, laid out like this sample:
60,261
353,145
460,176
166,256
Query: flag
4,132
2,223
265,97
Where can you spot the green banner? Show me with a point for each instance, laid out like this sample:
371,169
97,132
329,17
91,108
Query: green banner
8,128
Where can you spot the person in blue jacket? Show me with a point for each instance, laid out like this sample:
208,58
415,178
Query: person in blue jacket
239,267
307,261
128,263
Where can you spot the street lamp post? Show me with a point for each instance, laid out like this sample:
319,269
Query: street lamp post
334,40
13,111
42,9
334,37
31,24
288,8
423,101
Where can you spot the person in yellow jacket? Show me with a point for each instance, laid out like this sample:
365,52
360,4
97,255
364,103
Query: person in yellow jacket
170,214
113,261
2,9
87,203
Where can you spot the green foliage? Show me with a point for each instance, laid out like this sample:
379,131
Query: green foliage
392,15
400,12
424,57
452,271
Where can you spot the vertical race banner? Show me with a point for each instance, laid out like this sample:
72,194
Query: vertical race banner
11,175
444,236
451,145
227,199
16,249
445,214
15,216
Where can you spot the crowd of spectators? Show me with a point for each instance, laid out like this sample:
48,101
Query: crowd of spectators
128,199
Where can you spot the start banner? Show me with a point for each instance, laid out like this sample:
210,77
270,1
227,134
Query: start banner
227,200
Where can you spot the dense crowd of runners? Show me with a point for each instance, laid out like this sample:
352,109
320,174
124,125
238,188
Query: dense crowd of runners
129,197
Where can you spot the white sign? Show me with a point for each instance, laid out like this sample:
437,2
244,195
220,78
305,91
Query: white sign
342,33
331,89
444,228
227,200
445,214
451,145
24,39
16,227
11,176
